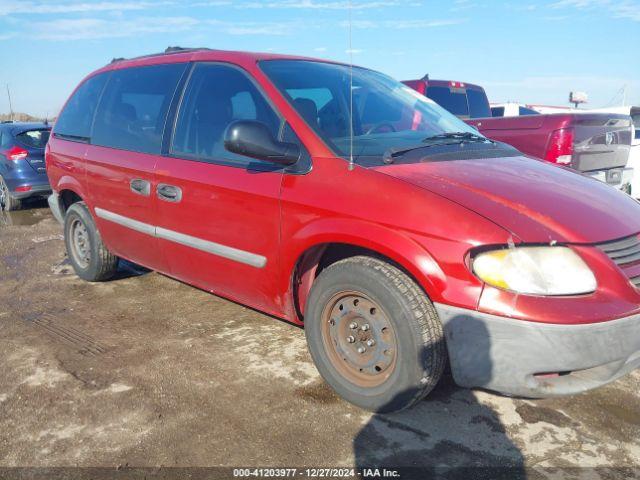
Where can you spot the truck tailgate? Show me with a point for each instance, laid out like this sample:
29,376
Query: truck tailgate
601,141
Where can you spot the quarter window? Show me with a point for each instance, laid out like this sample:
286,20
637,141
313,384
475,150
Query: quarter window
216,96
74,122
133,110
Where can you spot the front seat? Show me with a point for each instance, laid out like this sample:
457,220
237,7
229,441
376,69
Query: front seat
213,116
308,110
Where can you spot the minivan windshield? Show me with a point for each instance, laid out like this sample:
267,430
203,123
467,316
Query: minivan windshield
387,115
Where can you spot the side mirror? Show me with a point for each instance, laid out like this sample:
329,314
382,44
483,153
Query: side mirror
253,139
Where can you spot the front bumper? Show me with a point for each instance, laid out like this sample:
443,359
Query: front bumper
56,209
536,360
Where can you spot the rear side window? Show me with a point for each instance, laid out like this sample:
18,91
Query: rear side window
497,112
452,99
478,103
134,106
34,138
74,122
216,96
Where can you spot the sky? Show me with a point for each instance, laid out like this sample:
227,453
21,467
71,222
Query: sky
530,52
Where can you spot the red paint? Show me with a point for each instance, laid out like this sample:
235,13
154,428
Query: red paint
426,217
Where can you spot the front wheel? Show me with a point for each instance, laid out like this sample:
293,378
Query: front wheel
88,255
374,335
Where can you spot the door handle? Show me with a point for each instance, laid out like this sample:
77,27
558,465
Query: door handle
169,193
141,187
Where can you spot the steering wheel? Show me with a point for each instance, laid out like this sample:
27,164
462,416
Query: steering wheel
378,126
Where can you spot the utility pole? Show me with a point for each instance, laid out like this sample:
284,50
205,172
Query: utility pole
10,106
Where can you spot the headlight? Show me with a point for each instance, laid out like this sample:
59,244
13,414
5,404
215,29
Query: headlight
535,270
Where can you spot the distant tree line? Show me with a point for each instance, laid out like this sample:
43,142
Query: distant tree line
21,117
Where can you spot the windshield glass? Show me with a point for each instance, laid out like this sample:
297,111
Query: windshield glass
386,114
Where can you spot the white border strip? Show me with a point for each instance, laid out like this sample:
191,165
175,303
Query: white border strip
224,251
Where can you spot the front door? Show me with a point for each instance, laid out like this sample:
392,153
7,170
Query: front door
218,212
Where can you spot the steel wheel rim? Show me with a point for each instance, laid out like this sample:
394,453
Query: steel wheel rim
80,245
359,339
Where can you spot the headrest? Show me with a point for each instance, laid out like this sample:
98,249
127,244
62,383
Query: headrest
307,109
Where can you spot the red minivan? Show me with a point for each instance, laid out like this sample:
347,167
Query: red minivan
340,199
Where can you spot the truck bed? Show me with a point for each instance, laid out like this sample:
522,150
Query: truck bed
601,140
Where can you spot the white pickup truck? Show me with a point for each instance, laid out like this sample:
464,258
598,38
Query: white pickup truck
511,109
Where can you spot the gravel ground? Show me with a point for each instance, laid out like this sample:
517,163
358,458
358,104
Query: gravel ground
144,371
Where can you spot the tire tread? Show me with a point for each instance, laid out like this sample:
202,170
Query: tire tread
106,264
427,327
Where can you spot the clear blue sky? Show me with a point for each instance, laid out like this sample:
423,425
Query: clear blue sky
531,51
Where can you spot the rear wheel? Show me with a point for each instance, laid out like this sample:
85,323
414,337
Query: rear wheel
7,202
89,257
374,335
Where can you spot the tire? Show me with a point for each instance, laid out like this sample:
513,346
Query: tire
385,305
89,257
7,202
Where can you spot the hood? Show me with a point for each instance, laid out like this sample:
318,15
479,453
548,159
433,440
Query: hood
538,202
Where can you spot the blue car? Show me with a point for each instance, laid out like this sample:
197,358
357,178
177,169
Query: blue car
22,169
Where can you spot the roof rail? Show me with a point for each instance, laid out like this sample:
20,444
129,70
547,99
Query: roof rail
167,51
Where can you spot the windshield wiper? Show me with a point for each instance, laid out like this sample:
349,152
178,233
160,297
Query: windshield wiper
432,141
460,136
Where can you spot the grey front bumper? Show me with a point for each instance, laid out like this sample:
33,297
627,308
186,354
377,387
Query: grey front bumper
54,205
536,360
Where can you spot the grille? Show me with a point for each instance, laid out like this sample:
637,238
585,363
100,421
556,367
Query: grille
623,252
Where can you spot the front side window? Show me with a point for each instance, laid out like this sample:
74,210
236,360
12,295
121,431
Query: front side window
216,96
386,114
133,109
74,122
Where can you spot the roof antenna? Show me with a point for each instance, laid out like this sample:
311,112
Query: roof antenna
351,162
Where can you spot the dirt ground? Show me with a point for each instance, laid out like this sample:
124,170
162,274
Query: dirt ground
146,371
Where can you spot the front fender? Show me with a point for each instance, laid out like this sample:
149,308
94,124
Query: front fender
393,244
